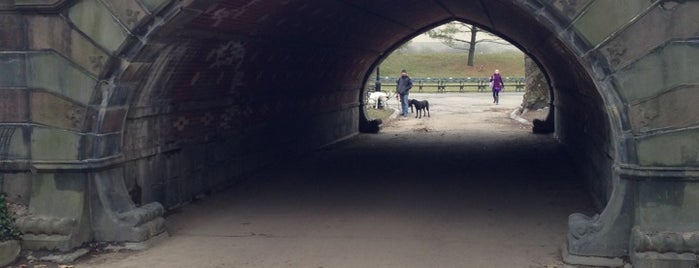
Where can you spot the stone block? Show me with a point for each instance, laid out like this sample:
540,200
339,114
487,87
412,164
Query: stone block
68,188
135,72
100,146
13,106
11,32
142,133
58,212
14,143
56,74
679,148
148,52
664,23
569,9
672,110
129,12
17,186
603,18
53,32
54,144
98,23
119,96
39,4
663,204
153,5
109,121
51,110
663,260
642,80
13,70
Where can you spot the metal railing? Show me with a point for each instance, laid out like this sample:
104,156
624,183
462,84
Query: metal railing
452,85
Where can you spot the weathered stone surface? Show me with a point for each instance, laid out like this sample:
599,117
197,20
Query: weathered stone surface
11,32
37,4
53,224
142,134
53,32
217,89
53,73
666,203
677,62
663,260
13,106
153,5
13,70
9,251
100,146
98,23
54,144
679,148
537,94
569,8
109,121
17,186
129,12
49,109
603,18
666,22
14,143
672,110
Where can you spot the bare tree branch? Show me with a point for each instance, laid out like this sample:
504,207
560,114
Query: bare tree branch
450,32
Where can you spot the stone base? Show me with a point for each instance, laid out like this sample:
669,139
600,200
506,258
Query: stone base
663,260
9,250
57,257
589,260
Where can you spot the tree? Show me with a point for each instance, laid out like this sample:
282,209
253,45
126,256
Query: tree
459,35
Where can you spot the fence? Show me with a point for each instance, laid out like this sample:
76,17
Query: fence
451,85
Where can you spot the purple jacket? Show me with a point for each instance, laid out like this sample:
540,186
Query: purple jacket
497,82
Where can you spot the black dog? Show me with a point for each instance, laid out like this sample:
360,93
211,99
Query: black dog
419,106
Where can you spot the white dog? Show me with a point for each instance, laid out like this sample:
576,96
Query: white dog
378,99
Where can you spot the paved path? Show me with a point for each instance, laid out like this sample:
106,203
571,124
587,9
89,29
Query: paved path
422,193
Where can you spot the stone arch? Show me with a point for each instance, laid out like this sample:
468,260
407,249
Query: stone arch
165,100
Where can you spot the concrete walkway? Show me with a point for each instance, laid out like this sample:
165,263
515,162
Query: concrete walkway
493,196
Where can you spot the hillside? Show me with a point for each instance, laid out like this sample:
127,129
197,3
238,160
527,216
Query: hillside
452,64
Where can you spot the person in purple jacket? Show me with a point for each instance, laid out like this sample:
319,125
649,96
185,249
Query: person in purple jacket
497,85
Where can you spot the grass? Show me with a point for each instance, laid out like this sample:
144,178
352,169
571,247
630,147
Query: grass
422,65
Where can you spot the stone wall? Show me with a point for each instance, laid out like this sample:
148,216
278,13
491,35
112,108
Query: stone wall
130,107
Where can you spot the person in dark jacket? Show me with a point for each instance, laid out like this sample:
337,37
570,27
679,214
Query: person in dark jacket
403,86
497,85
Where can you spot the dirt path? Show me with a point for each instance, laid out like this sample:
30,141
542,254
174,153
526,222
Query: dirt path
466,187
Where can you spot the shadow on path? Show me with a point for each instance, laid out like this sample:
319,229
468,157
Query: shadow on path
414,199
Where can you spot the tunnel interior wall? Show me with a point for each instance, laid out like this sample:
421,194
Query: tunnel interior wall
582,121
207,117
581,124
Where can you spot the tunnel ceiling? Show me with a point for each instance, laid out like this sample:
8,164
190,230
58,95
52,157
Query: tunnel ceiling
217,66
344,37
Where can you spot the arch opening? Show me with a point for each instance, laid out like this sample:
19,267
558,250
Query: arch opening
190,96
231,98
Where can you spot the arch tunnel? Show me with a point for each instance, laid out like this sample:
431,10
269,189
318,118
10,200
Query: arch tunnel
126,108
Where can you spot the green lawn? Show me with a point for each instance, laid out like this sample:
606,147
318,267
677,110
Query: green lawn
423,65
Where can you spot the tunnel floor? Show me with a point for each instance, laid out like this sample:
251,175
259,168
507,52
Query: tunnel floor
487,195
